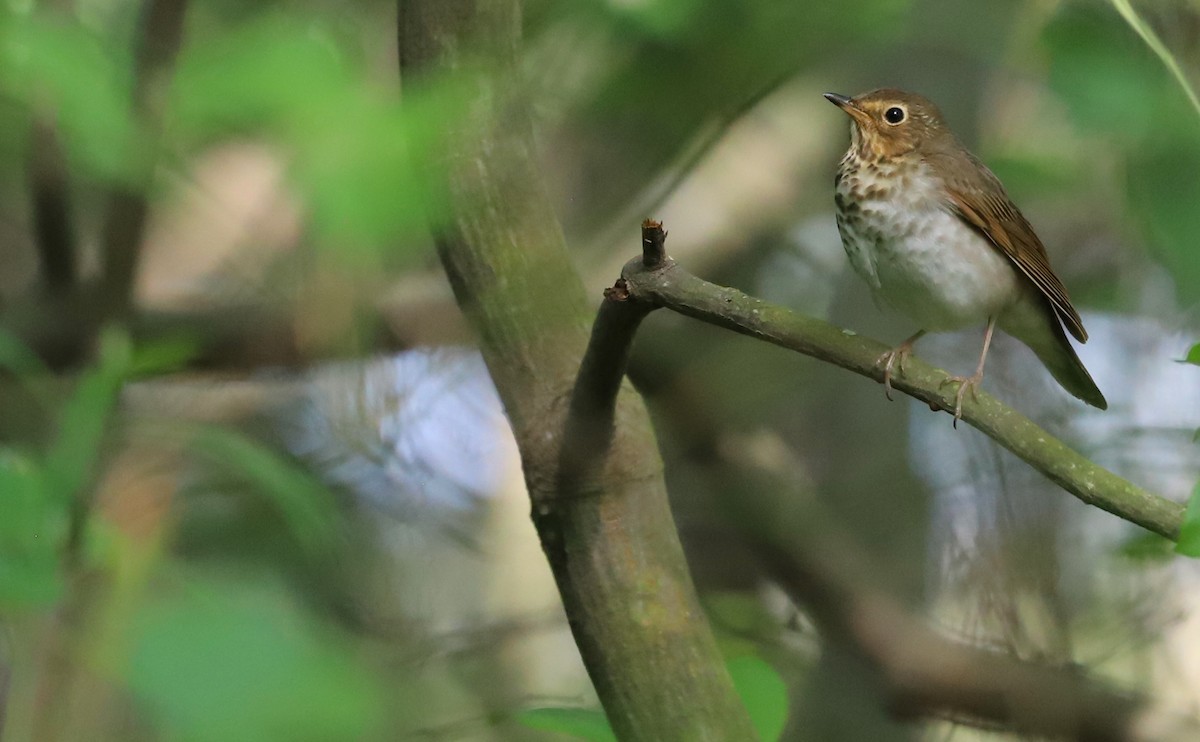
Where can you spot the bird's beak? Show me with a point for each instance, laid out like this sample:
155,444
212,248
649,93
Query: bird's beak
847,105
838,100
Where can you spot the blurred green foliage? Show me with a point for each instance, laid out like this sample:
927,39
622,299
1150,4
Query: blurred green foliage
1164,163
32,533
360,159
249,645
758,684
40,488
763,692
57,67
223,660
1115,87
305,504
651,77
362,162
1146,548
212,656
585,724
1189,535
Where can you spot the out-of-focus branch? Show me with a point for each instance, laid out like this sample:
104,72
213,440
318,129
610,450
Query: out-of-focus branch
159,37
53,223
657,280
605,523
227,337
234,337
705,142
922,673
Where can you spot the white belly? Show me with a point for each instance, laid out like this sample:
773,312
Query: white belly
926,262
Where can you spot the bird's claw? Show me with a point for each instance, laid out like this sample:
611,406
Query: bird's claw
893,358
965,383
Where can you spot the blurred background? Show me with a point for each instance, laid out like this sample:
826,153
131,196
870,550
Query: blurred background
301,515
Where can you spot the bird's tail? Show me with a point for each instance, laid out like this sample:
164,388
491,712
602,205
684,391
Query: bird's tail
1055,351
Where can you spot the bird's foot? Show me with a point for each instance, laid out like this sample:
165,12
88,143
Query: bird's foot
893,359
965,383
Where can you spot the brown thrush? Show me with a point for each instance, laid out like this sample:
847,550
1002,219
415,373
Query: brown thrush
933,233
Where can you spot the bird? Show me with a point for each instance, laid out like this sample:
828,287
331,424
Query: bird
936,237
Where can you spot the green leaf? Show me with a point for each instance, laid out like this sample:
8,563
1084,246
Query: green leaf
163,356
17,357
306,505
366,169
274,74
1189,533
1147,547
1193,356
225,661
1032,175
740,621
1112,83
21,361
1143,29
762,691
84,418
664,19
357,156
360,179
1103,74
764,694
84,81
1164,191
32,528
585,724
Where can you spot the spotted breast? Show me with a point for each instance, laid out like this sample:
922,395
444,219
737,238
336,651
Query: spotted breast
915,254
935,236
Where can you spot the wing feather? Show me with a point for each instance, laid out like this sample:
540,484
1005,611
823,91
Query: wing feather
986,208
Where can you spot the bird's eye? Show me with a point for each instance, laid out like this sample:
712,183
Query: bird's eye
894,115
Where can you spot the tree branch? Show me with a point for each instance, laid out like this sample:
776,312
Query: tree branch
603,519
921,672
60,331
159,37
658,281
53,222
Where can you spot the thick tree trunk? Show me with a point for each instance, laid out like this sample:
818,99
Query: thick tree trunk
609,536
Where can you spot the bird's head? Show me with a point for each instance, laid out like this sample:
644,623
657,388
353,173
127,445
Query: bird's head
888,123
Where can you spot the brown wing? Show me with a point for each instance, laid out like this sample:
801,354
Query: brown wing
989,211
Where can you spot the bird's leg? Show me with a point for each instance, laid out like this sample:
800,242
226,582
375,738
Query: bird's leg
895,358
971,382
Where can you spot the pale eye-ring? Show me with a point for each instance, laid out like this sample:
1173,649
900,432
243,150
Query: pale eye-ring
894,115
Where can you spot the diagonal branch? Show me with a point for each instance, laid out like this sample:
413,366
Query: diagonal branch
920,672
53,222
917,671
658,281
160,35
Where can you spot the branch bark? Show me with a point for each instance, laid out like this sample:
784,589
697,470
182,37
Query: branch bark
658,281
921,672
603,518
